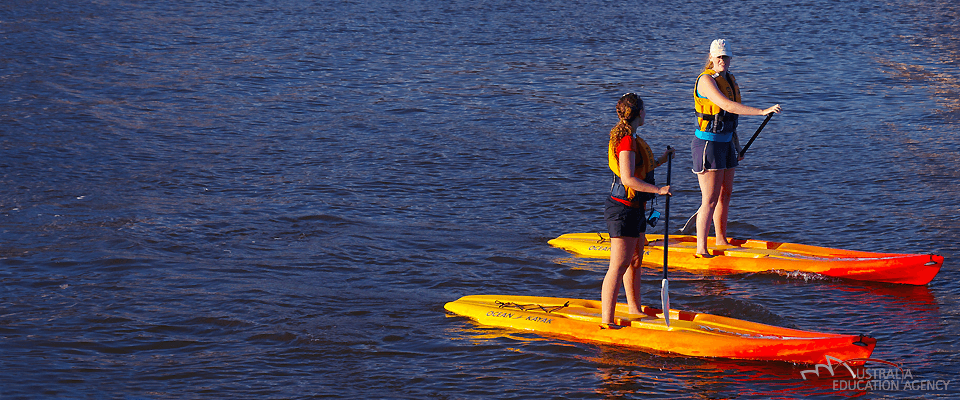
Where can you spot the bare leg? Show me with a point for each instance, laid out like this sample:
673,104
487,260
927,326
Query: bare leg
621,254
631,279
710,183
723,206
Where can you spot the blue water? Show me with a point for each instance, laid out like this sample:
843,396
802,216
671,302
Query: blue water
274,199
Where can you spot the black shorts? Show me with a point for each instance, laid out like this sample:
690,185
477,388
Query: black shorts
711,156
623,220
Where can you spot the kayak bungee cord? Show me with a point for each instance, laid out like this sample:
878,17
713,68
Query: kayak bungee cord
602,239
528,307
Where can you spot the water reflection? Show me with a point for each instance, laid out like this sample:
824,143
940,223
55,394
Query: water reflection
625,373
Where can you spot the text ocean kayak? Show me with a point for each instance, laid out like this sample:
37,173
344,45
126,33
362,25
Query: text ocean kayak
689,334
759,256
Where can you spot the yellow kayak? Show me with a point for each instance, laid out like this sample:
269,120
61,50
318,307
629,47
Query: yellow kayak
689,333
760,256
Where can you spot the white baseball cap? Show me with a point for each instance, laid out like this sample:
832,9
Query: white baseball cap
719,48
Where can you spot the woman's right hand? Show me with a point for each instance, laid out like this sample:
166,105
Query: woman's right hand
664,190
774,109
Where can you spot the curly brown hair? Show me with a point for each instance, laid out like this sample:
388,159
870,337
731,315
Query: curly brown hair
628,108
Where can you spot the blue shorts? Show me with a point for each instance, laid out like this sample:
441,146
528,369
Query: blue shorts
711,156
623,220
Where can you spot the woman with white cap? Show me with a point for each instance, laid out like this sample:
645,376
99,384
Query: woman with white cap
716,147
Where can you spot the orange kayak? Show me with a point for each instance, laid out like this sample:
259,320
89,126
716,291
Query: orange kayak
689,334
760,256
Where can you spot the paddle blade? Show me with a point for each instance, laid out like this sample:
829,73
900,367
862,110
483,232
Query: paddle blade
665,299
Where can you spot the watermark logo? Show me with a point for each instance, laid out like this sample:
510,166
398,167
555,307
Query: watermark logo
854,374
829,367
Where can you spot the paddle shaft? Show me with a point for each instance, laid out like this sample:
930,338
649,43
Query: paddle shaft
665,284
666,214
692,221
757,133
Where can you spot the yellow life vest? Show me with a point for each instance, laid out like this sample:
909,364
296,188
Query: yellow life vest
643,169
710,116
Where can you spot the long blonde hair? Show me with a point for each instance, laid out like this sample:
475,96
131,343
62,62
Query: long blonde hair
709,63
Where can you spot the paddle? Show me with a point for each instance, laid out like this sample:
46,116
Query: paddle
691,224
665,286
757,133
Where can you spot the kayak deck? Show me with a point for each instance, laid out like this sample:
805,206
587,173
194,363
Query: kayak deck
689,333
760,256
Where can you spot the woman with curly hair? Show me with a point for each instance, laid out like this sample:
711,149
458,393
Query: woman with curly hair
632,163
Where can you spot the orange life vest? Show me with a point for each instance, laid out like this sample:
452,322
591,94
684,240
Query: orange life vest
710,117
643,169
